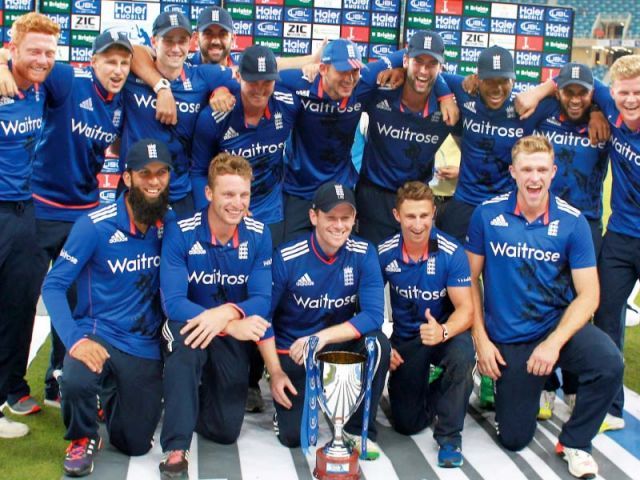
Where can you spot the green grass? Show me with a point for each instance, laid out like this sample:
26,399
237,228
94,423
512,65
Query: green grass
632,359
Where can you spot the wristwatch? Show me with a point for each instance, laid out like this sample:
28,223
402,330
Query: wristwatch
445,332
161,85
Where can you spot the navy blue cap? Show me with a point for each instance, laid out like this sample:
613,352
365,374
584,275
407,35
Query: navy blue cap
575,74
258,63
108,39
167,21
147,151
426,42
495,62
331,194
343,54
215,16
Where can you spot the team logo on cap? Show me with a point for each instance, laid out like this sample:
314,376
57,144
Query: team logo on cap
215,16
427,43
351,51
262,64
152,150
575,72
339,192
496,62
173,19
114,35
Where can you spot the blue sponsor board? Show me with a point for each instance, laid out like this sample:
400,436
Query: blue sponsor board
421,6
450,37
448,22
356,17
364,49
531,28
132,11
296,46
269,29
184,2
213,2
111,165
378,50
385,5
560,30
475,24
470,54
560,15
175,7
298,14
86,7
107,196
21,5
327,16
531,12
503,25
385,20
270,13
528,59
242,27
62,19
451,68
356,4
65,36
80,54
555,60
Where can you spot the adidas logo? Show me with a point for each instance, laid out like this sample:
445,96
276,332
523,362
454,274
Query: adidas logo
470,106
499,221
118,237
87,104
197,249
231,133
392,267
384,105
305,281
6,101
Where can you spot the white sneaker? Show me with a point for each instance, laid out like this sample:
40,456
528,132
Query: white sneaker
11,429
611,422
547,404
581,464
355,441
570,400
632,316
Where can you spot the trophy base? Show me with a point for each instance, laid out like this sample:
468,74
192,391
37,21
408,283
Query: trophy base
331,468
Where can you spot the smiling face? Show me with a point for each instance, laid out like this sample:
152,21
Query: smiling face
255,95
626,94
416,219
112,68
333,227
172,48
533,173
229,199
575,101
338,85
33,58
495,91
421,73
215,44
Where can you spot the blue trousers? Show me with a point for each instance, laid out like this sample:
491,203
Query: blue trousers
375,212
296,217
414,402
591,356
132,399
454,217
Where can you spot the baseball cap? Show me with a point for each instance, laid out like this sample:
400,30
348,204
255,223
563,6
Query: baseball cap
575,74
258,63
495,62
147,151
426,42
108,39
343,54
167,21
332,194
215,16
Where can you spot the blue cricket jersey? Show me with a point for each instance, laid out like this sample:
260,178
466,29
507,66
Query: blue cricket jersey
582,167
116,270
418,285
401,144
312,291
527,266
487,138
262,145
191,90
82,119
198,273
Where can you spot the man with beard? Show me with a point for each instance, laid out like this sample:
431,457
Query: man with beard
112,337
215,37
33,50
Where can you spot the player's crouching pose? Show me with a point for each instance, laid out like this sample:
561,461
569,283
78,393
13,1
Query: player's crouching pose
534,251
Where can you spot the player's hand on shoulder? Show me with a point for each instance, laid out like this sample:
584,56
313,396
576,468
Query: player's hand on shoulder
450,110
599,130
8,87
222,100
391,78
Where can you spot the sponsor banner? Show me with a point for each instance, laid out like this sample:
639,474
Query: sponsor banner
379,50
274,44
385,20
363,48
354,33
269,29
80,54
472,39
448,22
194,11
531,12
504,41
354,4
560,15
107,180
107,196
139,31
85,7
65,37
557,45
531,28
9,18
176,7
326,16
1,21
111,165
467,68
522,86
420,21
326,31
269,13
503,25
384,35
131,11
421,6
356,17
240,42
82,38
299,3
267,2
475,24
470,55
451,38
209,2
528,59
449,7
554,60
337,4
185,2
241,12
298,14
62,19
296,46
451,54
503,10
297,30
20,5
451,68
548,73
527,74
55,6
529,43
477,9
242,27
559,30
385,5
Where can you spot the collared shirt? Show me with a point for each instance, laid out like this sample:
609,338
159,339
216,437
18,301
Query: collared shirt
527,265
312,291
116,269
416,286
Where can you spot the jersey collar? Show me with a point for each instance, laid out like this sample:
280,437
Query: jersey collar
208,236
125,223
320,93
619,123
266,114
544,219
323,257
431,248
429,108
102,92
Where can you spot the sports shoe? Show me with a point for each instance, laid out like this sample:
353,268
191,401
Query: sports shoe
174,464
570,400
11,429
53,402
255,404
25,406
450,456
355,442
610,423
487,399
547,402
581,464
632,315
78,460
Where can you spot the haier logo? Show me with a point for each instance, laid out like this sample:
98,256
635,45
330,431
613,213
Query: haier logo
528,12
448,22
530,28
470,54
325,15
88,7
450,38
384,20
298,14
217,278
299,47
472,24
528,59
242,27
555,59
269,29
381,50
149,101
61,20
356,17
356,4
386,5
557,30
559,15
499,25
81,54
273,14
130,11
412,292
421,6
141,262
324,302
184,9
524,252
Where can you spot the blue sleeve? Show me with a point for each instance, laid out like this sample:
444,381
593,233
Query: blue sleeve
370,295
279,285
546,108
76,253
291,79
258,300
205,147
459,273
581,253
602,96
441,88
174,277
454,82
475,233
217,76
370,74
59,84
